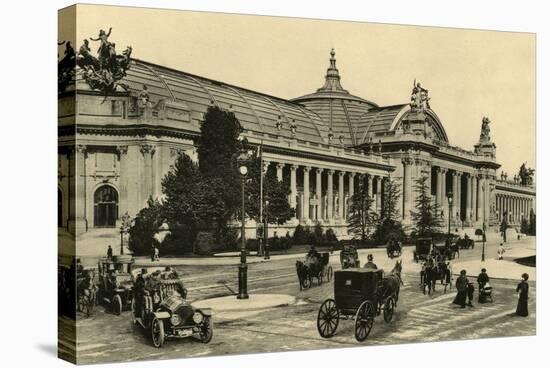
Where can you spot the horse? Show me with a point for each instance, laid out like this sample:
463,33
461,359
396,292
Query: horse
390,285
433,273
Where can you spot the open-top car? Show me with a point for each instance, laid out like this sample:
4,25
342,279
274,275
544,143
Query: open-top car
116,282
160,307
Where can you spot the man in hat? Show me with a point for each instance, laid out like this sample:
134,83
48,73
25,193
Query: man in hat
139,290
370,264
109,253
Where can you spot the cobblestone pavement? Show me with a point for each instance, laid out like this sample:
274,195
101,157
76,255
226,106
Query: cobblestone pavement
105,337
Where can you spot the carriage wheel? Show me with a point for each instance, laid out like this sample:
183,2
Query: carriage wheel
328,318
329,274
388,309
364,319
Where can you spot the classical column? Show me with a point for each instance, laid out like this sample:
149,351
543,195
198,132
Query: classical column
330,198
293,190
351,189
280,167
146,189
123,179
487,199
438,190
468,198
77,182
379,195
341,194
455,175
319,193
444,201
480,199
473,205
407,189
305,211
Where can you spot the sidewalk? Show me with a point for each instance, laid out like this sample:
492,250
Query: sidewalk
506,268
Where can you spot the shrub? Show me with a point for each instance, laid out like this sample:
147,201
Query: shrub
300,235
318,233
204,243
330,236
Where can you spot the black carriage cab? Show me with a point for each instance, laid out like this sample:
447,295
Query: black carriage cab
353,286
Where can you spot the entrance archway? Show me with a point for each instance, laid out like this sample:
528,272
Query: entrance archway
105,206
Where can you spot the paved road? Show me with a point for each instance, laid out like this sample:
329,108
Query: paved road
418,318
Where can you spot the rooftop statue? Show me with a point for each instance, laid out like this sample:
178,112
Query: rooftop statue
419,97
66,66
106,70
485,130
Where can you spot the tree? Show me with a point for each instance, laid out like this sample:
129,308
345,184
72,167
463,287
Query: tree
145,226
278,210
217,148
526,175
426,217
388,225
532,223
361,216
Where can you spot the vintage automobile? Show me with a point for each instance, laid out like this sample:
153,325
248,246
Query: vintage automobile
116,282
160,307
349,258
393,249
465,243
423,249
359,294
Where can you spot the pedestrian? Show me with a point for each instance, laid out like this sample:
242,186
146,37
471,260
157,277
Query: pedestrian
370,263
152,253
523,289
471,290
500,252
462,289
109,252
156,251
482,281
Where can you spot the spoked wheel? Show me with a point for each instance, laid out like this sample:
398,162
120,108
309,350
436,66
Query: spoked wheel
389,306
364,319
329,273
157,333
306,282
116,305
133,311
328,318
207,330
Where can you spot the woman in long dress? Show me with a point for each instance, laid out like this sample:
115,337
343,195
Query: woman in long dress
523,289
462,289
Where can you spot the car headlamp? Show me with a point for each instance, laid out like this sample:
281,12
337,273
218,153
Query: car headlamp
197,317
175,319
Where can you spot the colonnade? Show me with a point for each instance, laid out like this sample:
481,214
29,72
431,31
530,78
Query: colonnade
513,207
324,194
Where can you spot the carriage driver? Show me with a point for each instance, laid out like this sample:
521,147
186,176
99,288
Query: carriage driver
370,264
312,252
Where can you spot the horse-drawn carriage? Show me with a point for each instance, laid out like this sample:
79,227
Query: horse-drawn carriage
349,258
423,249
160,307
394,249
433,270
465,242
360,294
315,265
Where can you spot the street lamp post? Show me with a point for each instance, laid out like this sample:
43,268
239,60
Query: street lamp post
450,200
266,237
243,267
483,244
124,227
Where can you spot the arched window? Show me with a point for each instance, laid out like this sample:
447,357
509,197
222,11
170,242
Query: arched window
59,208
105,206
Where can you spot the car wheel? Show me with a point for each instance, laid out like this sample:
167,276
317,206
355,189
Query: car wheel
116,305
157,333
207,330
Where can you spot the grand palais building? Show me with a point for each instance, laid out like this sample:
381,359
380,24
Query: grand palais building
115,149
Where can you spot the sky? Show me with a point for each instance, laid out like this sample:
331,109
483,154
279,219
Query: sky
469,73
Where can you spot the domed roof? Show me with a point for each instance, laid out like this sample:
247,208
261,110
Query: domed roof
339,109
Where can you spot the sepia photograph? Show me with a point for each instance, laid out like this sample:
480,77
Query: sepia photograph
236,184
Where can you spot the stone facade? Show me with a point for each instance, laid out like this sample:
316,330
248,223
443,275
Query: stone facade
115,149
